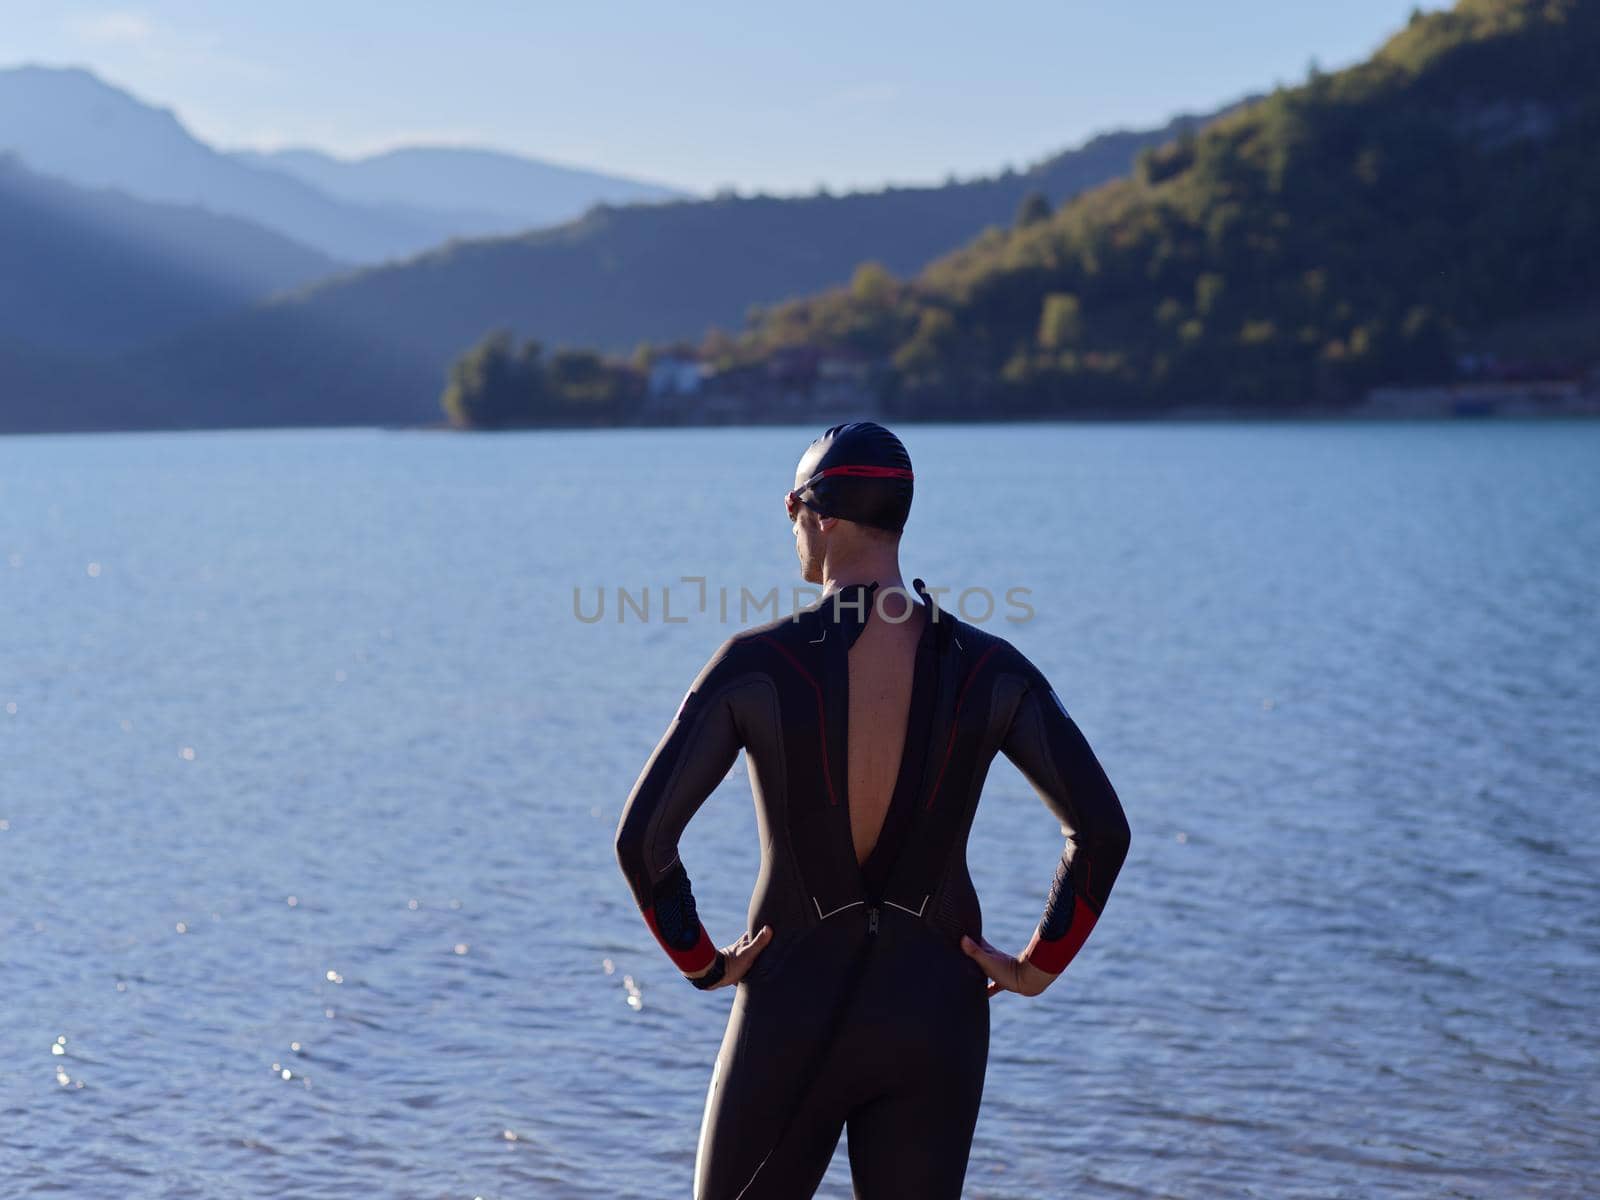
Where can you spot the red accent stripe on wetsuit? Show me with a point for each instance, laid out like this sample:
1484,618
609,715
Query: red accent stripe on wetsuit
955,722
822,716
692,961
1053,956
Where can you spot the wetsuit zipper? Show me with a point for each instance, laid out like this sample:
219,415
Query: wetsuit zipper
872,920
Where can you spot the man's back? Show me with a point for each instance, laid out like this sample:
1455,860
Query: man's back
882,665
783,692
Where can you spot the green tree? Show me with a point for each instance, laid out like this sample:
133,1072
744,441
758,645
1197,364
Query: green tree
1060,321
493,384
872,285
1035,207
1208,290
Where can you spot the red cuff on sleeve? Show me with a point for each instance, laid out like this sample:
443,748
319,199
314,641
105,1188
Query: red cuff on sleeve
1053,956
692,961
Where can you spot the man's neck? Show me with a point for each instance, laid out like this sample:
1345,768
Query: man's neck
885,572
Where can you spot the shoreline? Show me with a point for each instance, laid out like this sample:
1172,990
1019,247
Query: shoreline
1360,415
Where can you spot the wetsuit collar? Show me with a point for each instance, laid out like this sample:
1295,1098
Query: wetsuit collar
849,607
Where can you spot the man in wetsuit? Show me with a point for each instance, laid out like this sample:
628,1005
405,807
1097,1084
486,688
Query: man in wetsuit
868,721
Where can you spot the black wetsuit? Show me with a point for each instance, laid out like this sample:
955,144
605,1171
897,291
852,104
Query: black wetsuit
863,1010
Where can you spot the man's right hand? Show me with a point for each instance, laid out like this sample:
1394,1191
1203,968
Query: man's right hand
741,956
1006,973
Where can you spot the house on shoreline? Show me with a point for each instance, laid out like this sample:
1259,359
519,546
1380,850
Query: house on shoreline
794,384
1490,387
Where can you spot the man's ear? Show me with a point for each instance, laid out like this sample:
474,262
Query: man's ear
826,524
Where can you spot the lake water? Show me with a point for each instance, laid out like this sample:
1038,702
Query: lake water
309,775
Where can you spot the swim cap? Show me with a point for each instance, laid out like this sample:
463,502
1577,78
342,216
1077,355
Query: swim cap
859,472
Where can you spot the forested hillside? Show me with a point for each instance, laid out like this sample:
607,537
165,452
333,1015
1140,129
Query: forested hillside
1361,228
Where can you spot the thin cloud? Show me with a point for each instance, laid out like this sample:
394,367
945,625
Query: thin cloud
164,46
118,27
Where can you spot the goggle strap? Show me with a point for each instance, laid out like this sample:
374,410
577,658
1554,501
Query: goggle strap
858,472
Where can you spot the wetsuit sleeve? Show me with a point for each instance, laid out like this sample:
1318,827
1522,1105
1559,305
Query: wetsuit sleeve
1051,752
692,758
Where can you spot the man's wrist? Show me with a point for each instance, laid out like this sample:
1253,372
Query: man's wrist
1046,956
696,956
1051,955
712,975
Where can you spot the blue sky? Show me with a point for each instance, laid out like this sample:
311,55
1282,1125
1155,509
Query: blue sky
777,98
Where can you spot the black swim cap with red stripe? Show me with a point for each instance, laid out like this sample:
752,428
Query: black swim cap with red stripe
859,472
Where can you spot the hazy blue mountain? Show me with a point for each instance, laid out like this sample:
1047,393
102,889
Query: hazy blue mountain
69,123
98,270
50,390
374,345
480,192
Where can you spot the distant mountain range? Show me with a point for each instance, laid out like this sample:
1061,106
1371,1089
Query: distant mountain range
372,345
68,123
97,270
476,193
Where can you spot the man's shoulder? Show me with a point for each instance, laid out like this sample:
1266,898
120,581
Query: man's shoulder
987,650
973,641
751,648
